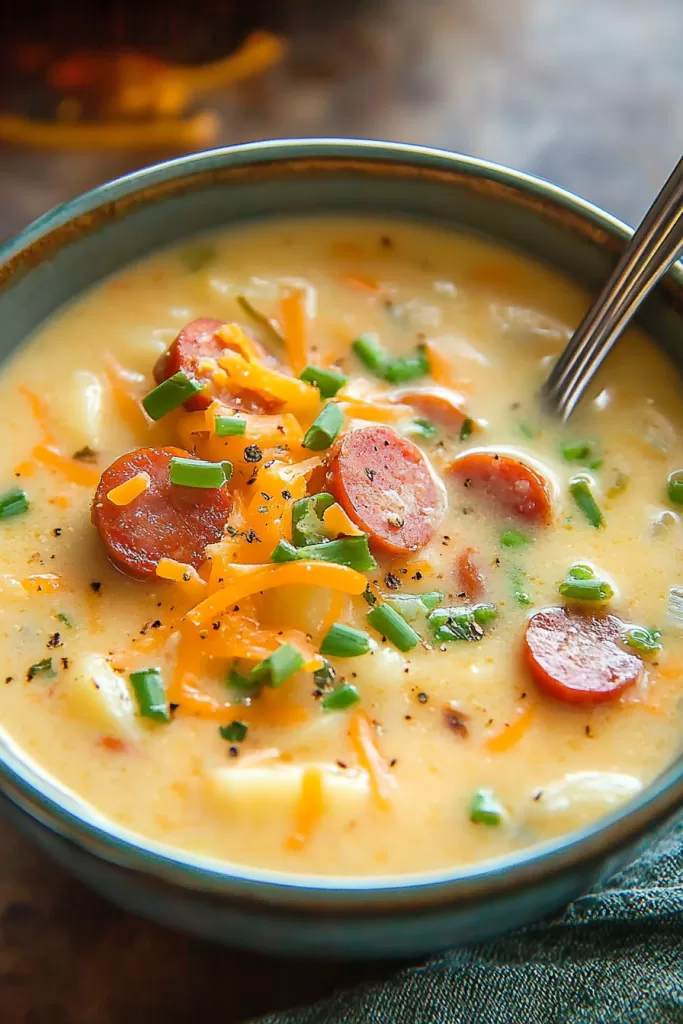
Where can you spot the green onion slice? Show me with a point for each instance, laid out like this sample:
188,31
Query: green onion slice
411,606
485,809
581,584
344,642
261,319
420,428
150,694
371,354
341,698
324,428
407,368
515,539
389,623
518,579
580,490
578,451
42,668
307,514
239,682
278,666
197,473
230,426
171,393
462,623
322,677
466,429
643,640
234,732
351,551
13,503
327,382
674,487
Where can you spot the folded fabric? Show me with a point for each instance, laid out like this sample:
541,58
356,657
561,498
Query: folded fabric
614,956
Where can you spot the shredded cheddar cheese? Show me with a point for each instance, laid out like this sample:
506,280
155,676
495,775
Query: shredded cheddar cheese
302,399
44,583
338,522
512,733
75,472
129,490
295,327
252,579
309,808
364,743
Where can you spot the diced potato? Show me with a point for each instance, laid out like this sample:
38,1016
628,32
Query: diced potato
100,697
80,410
580,798
274,787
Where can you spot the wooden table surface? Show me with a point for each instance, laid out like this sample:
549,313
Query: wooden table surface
587,94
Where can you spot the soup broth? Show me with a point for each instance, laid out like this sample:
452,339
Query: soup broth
488,655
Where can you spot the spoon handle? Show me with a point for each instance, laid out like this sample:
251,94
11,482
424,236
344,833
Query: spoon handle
654,247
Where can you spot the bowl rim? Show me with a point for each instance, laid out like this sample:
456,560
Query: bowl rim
27,786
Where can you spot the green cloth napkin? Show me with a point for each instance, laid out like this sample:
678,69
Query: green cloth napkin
614,956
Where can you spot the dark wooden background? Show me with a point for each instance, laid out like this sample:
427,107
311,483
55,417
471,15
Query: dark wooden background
586,93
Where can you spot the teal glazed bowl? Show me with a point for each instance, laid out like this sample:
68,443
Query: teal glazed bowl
79,244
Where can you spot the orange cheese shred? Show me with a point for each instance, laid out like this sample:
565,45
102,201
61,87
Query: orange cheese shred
301,398
511,734
441,369
252,579
294,321
126,388
335,612
41,412
129,490
235,338
375,412
309,808
73,471
364,743
337,522
362,283
44,583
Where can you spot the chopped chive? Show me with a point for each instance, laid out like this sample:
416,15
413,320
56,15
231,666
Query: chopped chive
150,694
674,487
369,597
351,551
198,257
327,382
485,808
515,539
411,606
580,490
261,319
307,513
235,732
41,668
324,428
466,428
407,368
197,473
341,698
581,572
342,641
389,623
322,677
577,451
370,352
420,428
238,681
171,393
461,623
65,619
13,503
278,666
230,426
518,580
525,430
586,589
644,640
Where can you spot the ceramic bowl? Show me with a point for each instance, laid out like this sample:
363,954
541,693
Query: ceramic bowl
83,241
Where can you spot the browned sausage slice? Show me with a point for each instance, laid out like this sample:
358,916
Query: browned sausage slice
199,341
514,486
386,485
165,521
577,658
439,404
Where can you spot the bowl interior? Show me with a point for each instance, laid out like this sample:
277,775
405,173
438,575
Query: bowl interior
79,244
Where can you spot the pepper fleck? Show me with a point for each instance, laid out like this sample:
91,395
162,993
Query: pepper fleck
96,586
57,532
392,581
422,697
252,453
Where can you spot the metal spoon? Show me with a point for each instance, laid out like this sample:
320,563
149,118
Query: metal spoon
656,244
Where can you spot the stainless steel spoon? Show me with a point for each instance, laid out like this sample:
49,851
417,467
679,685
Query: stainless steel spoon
656,244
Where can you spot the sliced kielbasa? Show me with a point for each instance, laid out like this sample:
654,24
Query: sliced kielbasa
386,485
438,404
577,658
515,487
471,581
165,521
199,341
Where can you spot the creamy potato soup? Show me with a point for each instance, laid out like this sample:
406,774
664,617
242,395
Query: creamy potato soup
296,575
